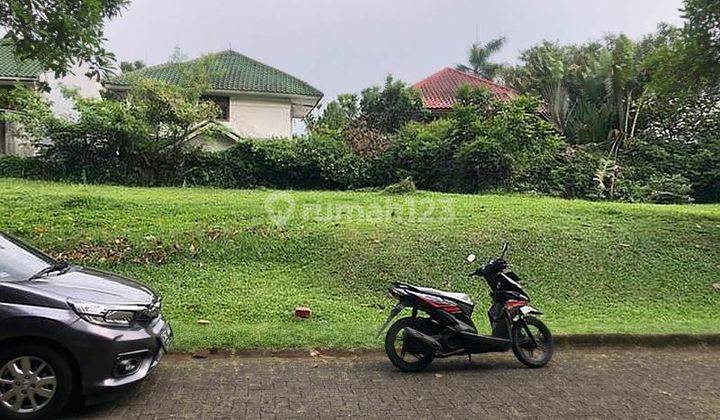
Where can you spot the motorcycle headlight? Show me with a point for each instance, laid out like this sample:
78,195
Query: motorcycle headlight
106,315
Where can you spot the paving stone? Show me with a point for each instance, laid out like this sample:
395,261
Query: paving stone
579,383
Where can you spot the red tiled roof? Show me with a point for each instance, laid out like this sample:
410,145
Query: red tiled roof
439,90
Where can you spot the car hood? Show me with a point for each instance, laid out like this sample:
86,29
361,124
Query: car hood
92,285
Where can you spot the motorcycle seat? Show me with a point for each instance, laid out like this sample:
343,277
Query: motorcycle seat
460,297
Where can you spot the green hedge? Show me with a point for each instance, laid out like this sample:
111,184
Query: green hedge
311,162
17,167
322,162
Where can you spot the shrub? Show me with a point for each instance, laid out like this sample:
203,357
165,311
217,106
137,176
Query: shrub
365,141
421,151
664,189
706,177
572,175
389,108
17,167
311,162
139,140
383,110
233,168
484,144
314,161
406,186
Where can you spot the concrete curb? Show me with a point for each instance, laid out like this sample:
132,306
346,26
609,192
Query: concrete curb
562,341
637,340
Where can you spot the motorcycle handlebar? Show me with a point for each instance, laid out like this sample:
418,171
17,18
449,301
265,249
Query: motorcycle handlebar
492,266
480,270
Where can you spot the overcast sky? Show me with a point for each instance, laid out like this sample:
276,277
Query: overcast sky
344,46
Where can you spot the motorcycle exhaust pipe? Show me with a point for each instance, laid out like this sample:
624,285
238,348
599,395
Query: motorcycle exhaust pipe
424,338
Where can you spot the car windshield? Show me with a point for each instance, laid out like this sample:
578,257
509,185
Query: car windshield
19,261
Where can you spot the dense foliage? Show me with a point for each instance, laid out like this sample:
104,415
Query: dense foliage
141,139
60,33
645,111
385,110
618,119
484,144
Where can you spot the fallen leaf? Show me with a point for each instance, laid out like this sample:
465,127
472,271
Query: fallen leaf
625,245
438,375
316,353
203,321
716,286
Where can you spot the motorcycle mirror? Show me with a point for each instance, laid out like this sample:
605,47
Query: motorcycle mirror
471,258
506,245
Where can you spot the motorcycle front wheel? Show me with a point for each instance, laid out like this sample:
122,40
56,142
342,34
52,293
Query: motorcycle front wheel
532,356
406,354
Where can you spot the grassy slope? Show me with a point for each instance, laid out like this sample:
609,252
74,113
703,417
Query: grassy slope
593,267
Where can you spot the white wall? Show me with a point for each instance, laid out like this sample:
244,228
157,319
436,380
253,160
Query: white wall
88,88
61,106
262,118
17,145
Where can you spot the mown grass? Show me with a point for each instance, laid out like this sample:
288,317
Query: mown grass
219,255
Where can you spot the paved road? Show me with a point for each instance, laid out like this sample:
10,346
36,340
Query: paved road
605,383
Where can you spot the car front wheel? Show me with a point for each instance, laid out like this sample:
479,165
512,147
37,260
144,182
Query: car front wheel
35,382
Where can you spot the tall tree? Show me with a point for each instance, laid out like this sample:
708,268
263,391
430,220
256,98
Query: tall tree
703,26
389,108
479,59
336,115
702,41
60,33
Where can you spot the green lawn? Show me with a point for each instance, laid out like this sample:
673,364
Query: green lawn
218,255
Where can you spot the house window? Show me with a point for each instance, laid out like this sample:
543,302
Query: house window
222,102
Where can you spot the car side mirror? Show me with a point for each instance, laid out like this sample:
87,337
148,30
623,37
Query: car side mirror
471,258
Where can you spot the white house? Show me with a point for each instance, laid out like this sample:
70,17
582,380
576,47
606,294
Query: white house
30,73
255,99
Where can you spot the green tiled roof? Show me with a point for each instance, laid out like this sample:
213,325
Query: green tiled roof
228,70
12,67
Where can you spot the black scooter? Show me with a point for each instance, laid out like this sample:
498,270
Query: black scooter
413,342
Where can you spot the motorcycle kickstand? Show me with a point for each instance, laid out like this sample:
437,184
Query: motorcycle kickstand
469,357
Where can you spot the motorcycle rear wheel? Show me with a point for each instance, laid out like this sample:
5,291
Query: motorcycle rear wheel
533,357
395,345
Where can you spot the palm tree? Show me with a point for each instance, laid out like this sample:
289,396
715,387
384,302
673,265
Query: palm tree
479,59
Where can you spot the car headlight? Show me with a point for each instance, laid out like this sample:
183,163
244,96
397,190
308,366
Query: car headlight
106,315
